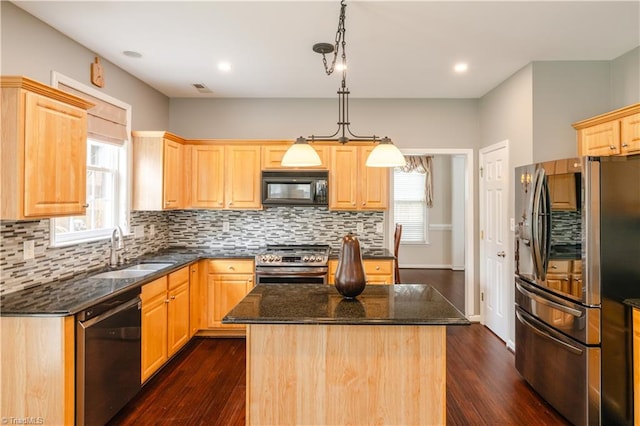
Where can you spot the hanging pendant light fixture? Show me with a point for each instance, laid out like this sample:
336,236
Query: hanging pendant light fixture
385,154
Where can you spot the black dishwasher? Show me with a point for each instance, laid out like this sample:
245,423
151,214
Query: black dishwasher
107,357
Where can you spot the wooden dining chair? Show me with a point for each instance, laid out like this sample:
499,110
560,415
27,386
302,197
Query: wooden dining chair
396,247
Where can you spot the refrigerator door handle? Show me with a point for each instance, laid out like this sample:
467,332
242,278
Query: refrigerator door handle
535,224
546,226
542,300
544,334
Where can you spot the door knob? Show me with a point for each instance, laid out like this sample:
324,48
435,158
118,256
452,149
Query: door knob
501,254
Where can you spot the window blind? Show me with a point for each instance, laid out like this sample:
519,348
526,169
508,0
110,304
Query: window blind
105,122
409,205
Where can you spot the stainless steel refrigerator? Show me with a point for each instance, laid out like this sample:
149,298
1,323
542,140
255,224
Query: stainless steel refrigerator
577,258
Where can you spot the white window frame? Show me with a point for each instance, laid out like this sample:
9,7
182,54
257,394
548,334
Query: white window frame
122,190
425,211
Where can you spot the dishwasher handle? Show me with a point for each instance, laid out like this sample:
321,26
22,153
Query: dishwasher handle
111,312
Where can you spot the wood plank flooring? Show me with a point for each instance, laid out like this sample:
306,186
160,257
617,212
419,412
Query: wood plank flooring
205,383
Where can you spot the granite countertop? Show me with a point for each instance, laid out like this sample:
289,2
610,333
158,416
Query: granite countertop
400,304
72,295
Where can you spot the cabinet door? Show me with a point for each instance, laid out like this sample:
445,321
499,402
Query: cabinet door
630,134
178,318
55,152
225,293
172,182
602,139
373,191
272,157
343,178
242,177
154,335
207,176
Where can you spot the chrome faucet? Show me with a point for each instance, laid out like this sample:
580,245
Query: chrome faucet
116,246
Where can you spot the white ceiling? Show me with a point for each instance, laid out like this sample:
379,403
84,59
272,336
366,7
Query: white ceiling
395,49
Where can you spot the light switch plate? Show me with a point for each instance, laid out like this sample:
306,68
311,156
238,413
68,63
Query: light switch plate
379,228
152,230
29,250
225,226
138,231
359,227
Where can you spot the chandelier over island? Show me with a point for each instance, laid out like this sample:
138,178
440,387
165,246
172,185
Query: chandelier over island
301,154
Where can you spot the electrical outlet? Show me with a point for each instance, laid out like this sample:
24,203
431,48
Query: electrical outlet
225,226
152,230
359,227
138,231
28,248
379,228
512,224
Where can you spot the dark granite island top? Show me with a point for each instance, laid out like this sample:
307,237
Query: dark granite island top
400,304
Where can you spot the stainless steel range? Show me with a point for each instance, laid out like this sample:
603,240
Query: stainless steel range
293,264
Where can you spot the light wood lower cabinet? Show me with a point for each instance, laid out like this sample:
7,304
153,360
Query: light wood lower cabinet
228,281
38,368
378,271
165,319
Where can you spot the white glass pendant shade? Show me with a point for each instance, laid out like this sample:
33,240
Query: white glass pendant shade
386,154
301,154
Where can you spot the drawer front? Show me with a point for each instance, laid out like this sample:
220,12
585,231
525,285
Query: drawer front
154,288
373,267
559,266
178,277
230,266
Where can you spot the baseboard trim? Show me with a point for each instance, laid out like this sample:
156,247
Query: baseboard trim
474,318
511,345
417,266
457,268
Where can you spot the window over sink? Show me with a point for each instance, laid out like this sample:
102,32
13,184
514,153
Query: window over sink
108,154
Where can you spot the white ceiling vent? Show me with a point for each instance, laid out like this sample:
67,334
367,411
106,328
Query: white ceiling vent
202,88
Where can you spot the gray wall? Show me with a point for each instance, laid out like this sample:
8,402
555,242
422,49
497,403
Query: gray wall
565,92
33,49
411,123
625,79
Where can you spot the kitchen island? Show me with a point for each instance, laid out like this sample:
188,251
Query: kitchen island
316,358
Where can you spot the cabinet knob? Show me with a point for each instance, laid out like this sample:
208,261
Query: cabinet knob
364,204
624,144
612,147
85,205
231,268
166,301
231,203
172,298
554,267
377,268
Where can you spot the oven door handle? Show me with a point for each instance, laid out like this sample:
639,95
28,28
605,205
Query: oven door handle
292,274
552,304
542,333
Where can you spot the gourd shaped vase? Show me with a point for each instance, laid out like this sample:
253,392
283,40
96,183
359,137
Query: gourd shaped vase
350,279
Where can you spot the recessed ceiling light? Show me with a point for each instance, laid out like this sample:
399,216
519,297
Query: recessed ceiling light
461,67
224,66
132,54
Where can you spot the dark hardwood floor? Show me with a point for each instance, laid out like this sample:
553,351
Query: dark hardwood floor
205,383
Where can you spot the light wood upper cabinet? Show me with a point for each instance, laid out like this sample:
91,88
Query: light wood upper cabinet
613,133
630,134
43,156
242,177
352,185
207,176
272,157
158,157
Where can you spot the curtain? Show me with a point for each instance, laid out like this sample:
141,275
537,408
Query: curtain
422,164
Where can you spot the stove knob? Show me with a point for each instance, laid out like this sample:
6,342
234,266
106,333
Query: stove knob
305,259
263,258
312,258
277,258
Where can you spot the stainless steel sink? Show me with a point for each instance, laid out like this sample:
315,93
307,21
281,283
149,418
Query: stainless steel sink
123,273
148,267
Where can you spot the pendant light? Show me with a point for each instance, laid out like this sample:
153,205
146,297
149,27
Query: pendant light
300,154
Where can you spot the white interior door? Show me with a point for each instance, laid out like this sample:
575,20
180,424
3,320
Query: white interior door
495,279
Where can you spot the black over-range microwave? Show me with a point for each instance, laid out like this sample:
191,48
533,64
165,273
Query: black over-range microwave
295,188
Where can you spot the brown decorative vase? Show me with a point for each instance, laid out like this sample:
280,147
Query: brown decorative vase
350,279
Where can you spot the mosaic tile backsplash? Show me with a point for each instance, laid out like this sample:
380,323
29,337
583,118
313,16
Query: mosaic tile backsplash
188,228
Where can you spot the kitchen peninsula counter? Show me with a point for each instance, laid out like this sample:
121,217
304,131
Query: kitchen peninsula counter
314,357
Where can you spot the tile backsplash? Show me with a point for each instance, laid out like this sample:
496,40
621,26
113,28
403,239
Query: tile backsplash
189,228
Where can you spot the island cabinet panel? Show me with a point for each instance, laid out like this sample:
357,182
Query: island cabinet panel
43,156
344,374
636,366
38,368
